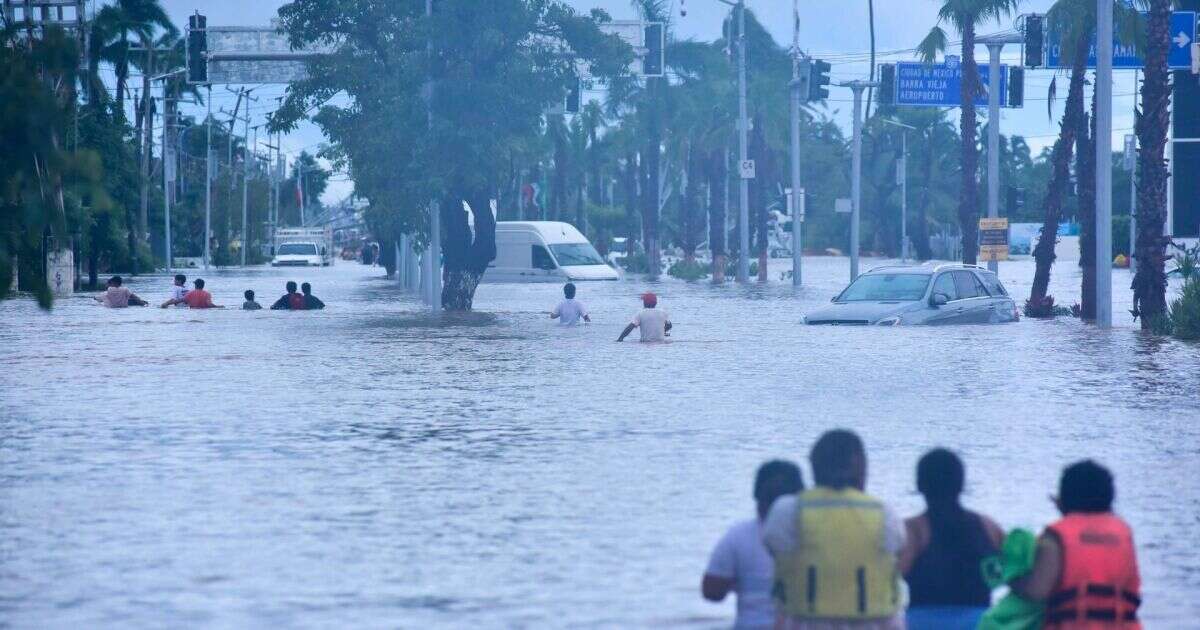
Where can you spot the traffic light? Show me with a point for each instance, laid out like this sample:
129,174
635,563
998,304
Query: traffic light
574,92
655,61
803,74
1035,40
1016,87
1016,200
818,78
887,84
197,49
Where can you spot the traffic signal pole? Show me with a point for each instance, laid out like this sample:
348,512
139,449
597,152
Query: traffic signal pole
1104,75
743,267
993,198
797,194
856,171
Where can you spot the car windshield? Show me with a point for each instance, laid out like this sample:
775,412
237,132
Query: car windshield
569,254
297,249
886,287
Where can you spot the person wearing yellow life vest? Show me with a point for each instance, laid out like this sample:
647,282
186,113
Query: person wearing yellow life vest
1086,568
835,547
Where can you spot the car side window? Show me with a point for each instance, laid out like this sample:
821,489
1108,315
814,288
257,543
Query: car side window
542,259
967,285
992,283
945,285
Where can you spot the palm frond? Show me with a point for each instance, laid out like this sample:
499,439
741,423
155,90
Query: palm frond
933,44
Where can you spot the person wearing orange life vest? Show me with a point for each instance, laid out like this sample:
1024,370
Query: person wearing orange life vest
1086,568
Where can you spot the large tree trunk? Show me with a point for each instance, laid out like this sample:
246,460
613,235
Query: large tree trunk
690,214
718,180
466,255
1150,282
1086,174
968,203
1060,173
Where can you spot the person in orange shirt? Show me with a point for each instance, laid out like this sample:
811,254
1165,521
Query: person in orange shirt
198,297
1086,567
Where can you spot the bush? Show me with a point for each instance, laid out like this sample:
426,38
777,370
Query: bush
731,267
1046,309
690,271
636,262
1184,314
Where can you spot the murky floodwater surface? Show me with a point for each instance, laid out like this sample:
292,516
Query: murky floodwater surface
375,466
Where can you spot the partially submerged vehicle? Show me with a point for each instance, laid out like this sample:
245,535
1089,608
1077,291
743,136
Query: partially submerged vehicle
920,294
545,251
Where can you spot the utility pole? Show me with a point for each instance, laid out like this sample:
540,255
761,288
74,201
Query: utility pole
856,175
245,182
995,44
743,268
208,176
797,194
434,252
1104,75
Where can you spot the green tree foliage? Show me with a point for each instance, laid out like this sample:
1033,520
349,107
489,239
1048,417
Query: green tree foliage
495,69
44,186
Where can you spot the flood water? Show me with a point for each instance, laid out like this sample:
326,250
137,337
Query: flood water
372,465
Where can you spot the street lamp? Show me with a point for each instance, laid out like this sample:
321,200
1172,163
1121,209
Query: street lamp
856,171
902,176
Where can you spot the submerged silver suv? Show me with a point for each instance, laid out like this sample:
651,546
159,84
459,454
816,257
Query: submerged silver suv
924,294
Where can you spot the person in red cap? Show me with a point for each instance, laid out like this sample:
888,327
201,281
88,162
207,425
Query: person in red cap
653,323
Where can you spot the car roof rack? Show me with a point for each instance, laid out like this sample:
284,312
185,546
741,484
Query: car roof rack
958,266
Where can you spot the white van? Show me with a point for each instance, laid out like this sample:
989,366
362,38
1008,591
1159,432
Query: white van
544,251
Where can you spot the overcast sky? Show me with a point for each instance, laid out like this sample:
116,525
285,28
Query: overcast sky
836,30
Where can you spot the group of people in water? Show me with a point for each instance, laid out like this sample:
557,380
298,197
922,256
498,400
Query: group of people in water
834,557
116,295
653,323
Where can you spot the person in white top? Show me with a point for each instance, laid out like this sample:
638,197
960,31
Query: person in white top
570,311
178,291
740,562
653,323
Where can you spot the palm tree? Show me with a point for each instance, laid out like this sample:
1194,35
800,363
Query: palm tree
1150,281
114,26
965,16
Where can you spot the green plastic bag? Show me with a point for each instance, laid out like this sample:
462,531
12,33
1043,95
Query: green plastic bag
1015,560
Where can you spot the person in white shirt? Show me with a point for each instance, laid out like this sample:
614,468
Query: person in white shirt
178,291
570,311
653,323
740,562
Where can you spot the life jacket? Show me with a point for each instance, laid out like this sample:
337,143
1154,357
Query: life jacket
1099,585
296,301
840,568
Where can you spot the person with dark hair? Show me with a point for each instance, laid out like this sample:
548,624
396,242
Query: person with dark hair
835,547
740,562
652,323
311,302
198,297
117,296
570,311
178,290
1086,568
945,546
250,304
291,301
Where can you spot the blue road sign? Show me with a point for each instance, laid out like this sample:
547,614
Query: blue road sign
1183,33
940,85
